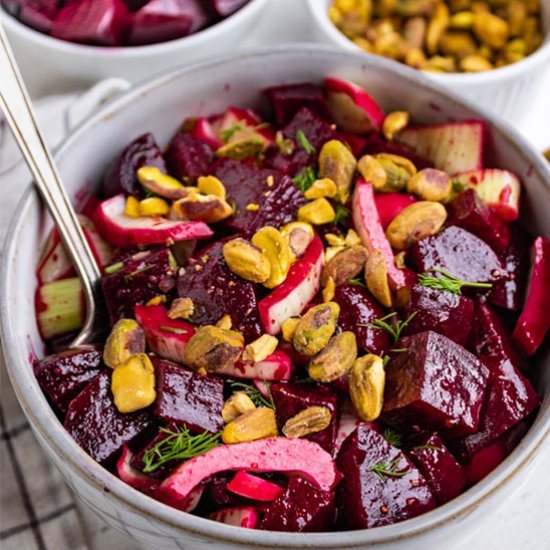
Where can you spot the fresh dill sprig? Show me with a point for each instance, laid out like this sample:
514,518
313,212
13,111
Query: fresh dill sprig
392,437
395,331
341,215
304,180
304,142
228,133
448,282
130,276
255,394
388,469
178,445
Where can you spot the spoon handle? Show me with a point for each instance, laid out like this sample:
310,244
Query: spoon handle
18,111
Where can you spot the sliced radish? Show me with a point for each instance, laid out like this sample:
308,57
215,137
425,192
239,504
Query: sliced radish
202,130
277,366
453,147
263,387
187,504
133,477
353,109
389,205
291,297
55,264
277,454
102,251
166,337
122,230
368,226
254,487
239,516
534,321
500,189
347,424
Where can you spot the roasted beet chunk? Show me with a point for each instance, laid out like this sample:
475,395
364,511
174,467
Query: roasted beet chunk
291,398
277,197
436,382
470,212
188,158
301,508
462,254
367,497
216,291
121,177
510,399
217,495
357,310
99,22
438,466
185,397
64,375
141,277
441,311
288,99
94,422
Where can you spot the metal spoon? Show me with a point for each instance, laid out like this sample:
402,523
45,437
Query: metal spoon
17,108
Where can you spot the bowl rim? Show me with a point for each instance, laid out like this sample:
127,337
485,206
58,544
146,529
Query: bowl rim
196,39
319,13
43,419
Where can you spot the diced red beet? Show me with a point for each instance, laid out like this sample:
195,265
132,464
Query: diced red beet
439,467
367,499
288,99
485,461
218,495
377,144
226,7
291,297
133,477
357,309
98,22
277,454
468,211
64,375
185,397
459,252
141,277
254,487
277,366
166,337
438,310
490,337
38,15
508,291
291,398
247,184
534,321
216,291
162,20
436,382
356,143
121,176
239,516
188,158
389,205
94,422
510,399
301,508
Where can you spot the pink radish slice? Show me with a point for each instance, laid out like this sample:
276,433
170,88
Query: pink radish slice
56,264
389,205
133,477
239,516
347,424
500,189
534,321
291,297
263,387
166,337
277,366
277,454
254,487
102,251
353,109
122,230
454,147
187,504
368,226
203,131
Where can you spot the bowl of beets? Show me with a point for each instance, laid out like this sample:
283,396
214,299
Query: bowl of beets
93,39
326,283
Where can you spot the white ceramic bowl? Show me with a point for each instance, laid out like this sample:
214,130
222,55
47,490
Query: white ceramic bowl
160,106
81,64
507,91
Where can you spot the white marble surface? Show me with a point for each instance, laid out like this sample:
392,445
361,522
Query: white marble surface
522,521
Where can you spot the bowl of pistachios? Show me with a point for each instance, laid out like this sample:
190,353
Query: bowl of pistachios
494,52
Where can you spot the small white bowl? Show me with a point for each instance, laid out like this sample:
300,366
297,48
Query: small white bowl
508,91
56,59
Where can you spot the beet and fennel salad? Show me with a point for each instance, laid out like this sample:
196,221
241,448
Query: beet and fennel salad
321,318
